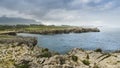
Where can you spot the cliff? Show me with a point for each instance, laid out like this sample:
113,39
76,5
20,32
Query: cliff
16,52
61,30
37,29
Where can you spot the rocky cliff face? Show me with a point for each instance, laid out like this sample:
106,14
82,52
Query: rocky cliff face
22,52
60,31
28,55
15,40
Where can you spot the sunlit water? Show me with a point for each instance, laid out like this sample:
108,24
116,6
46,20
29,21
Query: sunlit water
107,40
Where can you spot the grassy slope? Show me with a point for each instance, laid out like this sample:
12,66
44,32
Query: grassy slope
31,28
38,28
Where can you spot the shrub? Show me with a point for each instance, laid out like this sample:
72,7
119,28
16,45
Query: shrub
45,50
98,50
24,64
74,58
87,57
95,66
86,62
46,54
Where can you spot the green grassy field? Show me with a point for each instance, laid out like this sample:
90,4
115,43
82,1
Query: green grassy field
6,36
30,27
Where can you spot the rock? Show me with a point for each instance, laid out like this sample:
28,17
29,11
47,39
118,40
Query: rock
29,41
76,58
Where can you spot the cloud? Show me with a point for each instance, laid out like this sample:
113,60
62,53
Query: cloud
14,13
74,12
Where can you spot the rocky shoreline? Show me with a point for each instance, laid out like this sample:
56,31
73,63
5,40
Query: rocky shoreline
61,31
52,31
19,40
22,52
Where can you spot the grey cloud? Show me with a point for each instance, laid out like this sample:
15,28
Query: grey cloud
40,7
60,10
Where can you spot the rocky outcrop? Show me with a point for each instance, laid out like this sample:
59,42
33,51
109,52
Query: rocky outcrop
79,58
65,30
29,41
25,57
97,59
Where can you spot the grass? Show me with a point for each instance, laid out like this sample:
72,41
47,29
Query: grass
87,57
74,58
30,27
6,36
86,62
39,28
24,64
45,54
45,50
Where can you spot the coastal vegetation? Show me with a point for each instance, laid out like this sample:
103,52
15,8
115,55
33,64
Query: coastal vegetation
98,50
86,62
74,58
29,27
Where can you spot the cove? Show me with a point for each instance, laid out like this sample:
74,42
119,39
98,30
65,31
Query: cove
62,43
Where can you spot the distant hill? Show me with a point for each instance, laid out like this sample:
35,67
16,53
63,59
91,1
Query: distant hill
16,20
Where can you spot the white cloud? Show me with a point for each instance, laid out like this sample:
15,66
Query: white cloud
59,17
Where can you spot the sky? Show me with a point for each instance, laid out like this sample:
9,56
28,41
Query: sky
61,12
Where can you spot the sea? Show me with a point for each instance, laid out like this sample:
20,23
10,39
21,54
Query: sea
108,39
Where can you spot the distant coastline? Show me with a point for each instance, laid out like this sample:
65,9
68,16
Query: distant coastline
43,29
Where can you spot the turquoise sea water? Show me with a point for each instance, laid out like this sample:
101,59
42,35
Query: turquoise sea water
107,39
